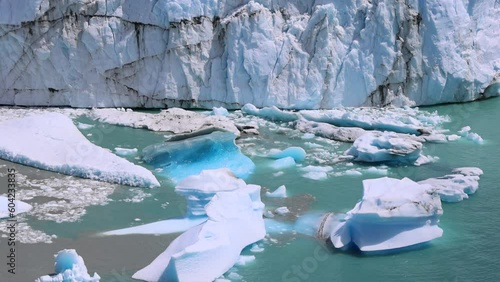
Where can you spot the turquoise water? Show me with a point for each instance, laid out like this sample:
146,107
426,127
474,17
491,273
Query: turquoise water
468,250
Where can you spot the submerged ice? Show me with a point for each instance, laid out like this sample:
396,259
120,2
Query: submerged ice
180,159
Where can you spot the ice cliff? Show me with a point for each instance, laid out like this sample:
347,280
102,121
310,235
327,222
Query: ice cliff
290,54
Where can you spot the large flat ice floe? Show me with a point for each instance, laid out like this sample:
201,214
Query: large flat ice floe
180,159
206,251
175,120
392,214
69,267
52,142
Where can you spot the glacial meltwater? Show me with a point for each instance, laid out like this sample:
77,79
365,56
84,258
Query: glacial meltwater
72,213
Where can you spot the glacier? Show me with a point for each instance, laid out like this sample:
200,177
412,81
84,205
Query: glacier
52,142
69,267
288,54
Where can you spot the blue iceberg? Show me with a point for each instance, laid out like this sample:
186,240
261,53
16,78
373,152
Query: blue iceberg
69,267
180,159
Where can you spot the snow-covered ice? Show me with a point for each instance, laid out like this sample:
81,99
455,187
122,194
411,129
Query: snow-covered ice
342,134
280,192
69,267
205,252
19,207
52,142
183,158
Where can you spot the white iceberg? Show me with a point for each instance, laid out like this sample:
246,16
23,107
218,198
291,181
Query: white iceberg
280,192
183,158
205,252
386,147
455,187
297,153
69,267
16,205
52,142
392,214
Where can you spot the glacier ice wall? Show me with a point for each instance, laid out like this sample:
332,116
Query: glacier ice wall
290,54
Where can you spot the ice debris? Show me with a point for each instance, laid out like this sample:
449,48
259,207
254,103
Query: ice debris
69,267
52,142
125,151
342,134
180,159
280,192
297,153
469,135
455,187
269,113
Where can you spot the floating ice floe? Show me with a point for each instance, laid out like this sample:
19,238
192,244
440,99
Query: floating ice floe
84,126
392,214
280,192
342,134
386,147
316,172
283,163
403,120
198,191
17,207
469,135
455,187
206,251
52,142
125,151
270,113
175,120
180,159
297,153
69,267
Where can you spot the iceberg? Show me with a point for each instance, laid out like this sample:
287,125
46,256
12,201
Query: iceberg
280,192
51,141
386,147
297,153
125,151
282,163
270,113
69,267
19,206
469,135
180,159
326,130
455,187
392,214
234,222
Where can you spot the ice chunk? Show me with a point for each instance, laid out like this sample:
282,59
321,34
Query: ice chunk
316,172
52,142
468,134
256,249
342,134
19,207
84,126
297,153
392,214
270,113
69,267
220,111
175,120
243,260
281,210
352,172
180,159
234,222
385,147
125,151
455,187
280,192
453,137
283,163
